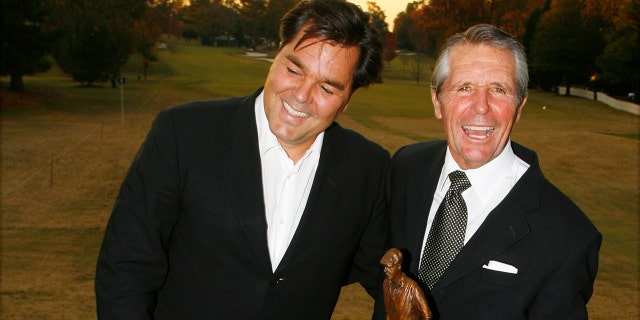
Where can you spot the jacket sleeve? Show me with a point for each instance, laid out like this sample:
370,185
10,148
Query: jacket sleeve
366,268
566,293
132,263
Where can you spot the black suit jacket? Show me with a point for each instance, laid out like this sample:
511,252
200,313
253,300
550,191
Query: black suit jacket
535,228
187,238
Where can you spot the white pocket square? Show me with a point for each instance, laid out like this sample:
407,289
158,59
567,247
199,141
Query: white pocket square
500,266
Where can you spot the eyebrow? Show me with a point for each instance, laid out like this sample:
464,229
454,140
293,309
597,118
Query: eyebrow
338,85
494,83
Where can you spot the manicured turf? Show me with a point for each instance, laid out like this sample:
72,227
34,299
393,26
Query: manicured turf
65,151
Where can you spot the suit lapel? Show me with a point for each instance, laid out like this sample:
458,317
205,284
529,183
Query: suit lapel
419,200
503,227
323,196
244,176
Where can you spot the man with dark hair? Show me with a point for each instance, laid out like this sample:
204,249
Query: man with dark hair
256,207
481,228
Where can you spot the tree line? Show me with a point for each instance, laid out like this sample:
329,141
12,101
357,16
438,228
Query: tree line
592,43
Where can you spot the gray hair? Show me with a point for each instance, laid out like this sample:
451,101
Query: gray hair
477,35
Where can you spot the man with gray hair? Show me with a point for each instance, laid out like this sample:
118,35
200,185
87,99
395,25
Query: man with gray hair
482,230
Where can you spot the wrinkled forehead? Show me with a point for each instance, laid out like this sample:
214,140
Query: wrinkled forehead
482,62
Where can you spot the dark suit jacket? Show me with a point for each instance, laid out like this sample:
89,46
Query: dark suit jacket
187,238
535,228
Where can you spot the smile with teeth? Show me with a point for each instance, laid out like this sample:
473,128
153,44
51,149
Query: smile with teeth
294,112
478,132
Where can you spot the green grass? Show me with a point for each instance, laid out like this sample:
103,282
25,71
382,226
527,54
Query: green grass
220,72
54,212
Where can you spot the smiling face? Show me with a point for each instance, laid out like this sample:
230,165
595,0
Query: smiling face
478,103
307,87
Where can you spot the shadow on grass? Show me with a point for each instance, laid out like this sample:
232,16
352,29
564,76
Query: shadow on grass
634,136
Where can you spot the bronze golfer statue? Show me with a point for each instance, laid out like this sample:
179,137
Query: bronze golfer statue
403,298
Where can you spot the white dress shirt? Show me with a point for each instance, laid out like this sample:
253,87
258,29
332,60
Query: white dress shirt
286,185
490,184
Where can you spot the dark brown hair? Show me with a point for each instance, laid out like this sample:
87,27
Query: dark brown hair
340,22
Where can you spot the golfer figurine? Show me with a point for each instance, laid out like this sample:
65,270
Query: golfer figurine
403,298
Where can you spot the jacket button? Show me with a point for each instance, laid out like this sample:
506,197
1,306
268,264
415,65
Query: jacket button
275,280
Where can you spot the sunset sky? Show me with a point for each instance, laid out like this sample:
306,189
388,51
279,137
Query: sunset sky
390,7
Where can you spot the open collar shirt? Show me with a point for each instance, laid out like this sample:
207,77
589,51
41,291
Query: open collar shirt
286,185
490,184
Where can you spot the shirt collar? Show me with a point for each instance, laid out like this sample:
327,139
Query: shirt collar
486,179
266,139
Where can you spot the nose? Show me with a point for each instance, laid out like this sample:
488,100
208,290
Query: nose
482,102
303,91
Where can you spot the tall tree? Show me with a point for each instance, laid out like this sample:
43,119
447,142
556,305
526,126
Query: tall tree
164,14
25,42
620,61
211,18
98,39
510,15
426,31
536,79
436,20
390,51
377,18
532,23
457,15
274,12
252,12
566,44
147,30
402,23
603,13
